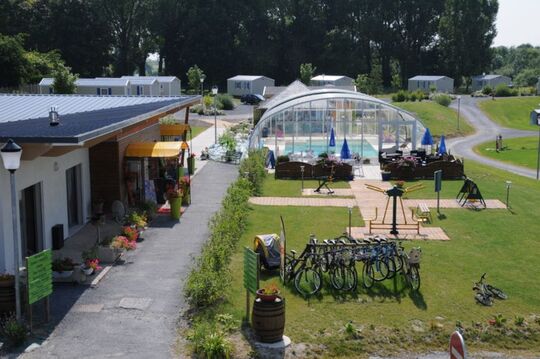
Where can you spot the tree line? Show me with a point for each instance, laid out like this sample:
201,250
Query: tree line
390,40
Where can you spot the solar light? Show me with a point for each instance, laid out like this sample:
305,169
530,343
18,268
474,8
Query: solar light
508,185
54,118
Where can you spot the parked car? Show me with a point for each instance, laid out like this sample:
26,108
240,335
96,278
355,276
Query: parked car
252,99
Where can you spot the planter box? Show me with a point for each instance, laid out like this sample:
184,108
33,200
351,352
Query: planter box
109,255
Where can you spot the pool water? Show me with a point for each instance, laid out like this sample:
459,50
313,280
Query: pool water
355,146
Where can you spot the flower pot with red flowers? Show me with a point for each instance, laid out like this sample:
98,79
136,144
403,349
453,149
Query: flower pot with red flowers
269,293
130,233
174,196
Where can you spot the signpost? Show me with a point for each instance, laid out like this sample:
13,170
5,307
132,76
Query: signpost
437,175
39,283
535,120
251,275
457,346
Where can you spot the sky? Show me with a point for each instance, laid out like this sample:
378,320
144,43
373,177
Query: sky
517,23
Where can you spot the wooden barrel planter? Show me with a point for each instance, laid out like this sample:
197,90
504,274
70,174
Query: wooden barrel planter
268,320
7,296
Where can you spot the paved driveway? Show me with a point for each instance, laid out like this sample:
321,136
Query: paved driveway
134,310
486,130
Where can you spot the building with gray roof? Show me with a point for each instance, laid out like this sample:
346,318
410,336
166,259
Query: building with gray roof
428,83
481,81
247,84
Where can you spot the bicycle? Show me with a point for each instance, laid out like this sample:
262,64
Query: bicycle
485,293
411,266
303,271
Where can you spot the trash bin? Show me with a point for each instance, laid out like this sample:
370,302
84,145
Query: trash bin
386,175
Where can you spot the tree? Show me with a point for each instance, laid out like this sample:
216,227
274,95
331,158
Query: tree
306,73
64,80
13,63
41,65
194,76
467,30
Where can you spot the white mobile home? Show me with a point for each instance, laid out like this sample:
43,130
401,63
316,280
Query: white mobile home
103,86
144,86
245,84
334,80
168,85
45,86
427,83
481,81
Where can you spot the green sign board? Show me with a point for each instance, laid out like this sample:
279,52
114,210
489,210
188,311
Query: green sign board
251,270
39,276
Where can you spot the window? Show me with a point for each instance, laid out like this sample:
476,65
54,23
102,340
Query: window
238,85
74,194
103,91
247,85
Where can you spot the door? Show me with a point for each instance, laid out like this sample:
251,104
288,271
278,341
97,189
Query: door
74,194
31,220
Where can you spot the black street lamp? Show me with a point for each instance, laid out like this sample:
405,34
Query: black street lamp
11,156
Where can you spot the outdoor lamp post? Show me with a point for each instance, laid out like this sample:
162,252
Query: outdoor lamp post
508,185
215,92
458,110
11,156
202,88
350,220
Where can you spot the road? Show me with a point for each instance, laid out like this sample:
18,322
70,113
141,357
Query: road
486,130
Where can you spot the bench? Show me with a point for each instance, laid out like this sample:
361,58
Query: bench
423,213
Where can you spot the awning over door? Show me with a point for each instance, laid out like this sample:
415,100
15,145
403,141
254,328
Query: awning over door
153,149
173,130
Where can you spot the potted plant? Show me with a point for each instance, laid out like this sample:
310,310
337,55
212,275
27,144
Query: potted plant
174,196
185,187
63,267
191,164
91,266
130,233
269,293
122,243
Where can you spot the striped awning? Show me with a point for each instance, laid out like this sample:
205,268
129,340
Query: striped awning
153,149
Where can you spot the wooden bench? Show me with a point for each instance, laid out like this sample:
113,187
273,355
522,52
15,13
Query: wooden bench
423,213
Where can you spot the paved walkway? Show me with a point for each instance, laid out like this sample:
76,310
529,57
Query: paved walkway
302,201
486,130
133,312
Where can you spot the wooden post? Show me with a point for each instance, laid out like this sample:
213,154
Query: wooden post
29,306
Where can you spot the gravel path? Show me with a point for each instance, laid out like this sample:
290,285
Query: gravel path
486,130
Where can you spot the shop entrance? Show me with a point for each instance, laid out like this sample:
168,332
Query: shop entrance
31,220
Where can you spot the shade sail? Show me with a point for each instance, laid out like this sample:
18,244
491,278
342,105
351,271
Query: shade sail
173,130
153,149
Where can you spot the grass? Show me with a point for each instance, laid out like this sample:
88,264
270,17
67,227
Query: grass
517,151
513,112
292,188
502,243
439,119
196,130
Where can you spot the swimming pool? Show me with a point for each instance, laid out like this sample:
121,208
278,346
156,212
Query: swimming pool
318,146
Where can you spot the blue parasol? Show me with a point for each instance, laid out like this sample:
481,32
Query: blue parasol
442,146
332,138
427,140
345,152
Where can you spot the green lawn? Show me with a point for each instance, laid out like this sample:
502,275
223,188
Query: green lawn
518,151
439,119
513,112
502,243
196,130
293,188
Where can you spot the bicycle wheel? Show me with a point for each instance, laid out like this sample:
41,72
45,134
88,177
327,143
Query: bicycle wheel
484,299
307,281
367,276
337,277
379,270
414,278
398,260
496,292
391,264
351,279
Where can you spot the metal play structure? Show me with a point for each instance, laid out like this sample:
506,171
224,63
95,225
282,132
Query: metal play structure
395,193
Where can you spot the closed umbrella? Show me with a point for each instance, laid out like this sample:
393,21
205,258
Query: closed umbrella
442,146
427,140
332,138
345,152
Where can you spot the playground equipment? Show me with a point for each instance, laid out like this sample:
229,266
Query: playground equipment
469,192
395,193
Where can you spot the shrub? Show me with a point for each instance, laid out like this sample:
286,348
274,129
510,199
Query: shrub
208,342
420,95
225,102
412,96
442,99
502,90
14,331
400,96
487,90
253,169
227,140
208,280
